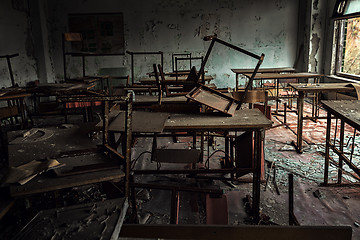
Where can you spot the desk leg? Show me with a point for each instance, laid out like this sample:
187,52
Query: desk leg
327,149
237,81
256,175
300,121
277,96
202,147
227,150
194,147
342,130
22,112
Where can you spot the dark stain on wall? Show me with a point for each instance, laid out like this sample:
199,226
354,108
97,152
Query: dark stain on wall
315,17
316,4
279,4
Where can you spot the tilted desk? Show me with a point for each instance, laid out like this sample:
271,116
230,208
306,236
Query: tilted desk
239,71
302,89
243,120
348,111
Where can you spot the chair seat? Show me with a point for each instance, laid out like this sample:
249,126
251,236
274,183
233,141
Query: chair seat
177,155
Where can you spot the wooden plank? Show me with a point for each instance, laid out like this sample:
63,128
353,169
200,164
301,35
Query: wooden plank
322,87
143,122
43,183
284,75
215,232
85,221
14,96
148,99
213,99
171,80
245,119
263,70
347,110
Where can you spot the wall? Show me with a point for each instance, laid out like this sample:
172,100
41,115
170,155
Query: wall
174,26
16,37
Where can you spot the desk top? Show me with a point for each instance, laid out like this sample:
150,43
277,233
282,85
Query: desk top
143,122
13,93
262,70
181,79
247,119
285,75
53,88
347,110
54,142
322,87
151,99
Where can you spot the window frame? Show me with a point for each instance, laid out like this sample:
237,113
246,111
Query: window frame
339,41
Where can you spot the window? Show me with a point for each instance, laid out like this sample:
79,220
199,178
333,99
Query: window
348,62
348,38
103,33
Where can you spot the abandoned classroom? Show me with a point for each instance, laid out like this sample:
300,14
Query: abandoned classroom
177,119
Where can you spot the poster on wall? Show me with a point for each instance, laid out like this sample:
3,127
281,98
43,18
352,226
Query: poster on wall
102,33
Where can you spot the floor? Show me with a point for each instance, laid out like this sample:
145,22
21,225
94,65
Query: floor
313,204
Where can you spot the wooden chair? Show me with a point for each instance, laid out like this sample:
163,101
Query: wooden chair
254,97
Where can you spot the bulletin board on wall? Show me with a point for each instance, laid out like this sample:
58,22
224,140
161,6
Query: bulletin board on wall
102,33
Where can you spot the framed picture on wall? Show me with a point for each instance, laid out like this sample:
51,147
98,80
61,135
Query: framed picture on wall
102,33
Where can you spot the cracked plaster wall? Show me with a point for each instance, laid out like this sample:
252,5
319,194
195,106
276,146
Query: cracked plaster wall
16,37
317,35
174,26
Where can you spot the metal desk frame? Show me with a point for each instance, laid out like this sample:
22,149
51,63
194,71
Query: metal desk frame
190,123
346,111
302,90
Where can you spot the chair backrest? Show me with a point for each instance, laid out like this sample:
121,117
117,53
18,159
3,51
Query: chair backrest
254,96
73,37
162,81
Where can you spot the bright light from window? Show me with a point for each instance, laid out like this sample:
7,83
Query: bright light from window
351,50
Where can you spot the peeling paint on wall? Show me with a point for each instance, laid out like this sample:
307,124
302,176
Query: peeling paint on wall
176,26
315,4
313,62
315,22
